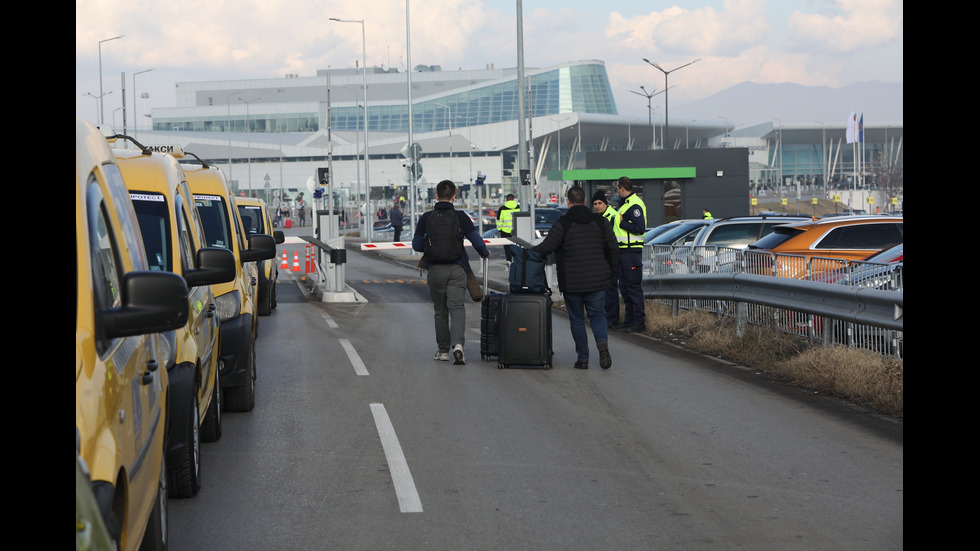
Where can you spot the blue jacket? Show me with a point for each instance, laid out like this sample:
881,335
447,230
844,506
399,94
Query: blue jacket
466,228
396,216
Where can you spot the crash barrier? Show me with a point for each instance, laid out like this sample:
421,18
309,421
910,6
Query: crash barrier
835,313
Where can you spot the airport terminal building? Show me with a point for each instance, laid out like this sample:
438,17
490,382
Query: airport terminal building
271,135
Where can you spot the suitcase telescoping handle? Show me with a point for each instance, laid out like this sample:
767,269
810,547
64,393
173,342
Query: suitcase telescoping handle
486,274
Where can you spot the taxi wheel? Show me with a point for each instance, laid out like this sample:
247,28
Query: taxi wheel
185,476
156,538
211,427
242,398
275,301
265,307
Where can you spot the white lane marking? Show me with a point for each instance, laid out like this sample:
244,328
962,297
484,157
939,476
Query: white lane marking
330,321
354,358
401,476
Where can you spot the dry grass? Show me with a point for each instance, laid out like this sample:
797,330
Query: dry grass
857,375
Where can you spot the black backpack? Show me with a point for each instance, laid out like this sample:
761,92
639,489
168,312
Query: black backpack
443,239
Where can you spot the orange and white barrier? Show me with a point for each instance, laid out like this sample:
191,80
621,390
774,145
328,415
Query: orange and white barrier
285,262
296,267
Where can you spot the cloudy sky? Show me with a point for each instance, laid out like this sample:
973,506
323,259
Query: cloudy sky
809,42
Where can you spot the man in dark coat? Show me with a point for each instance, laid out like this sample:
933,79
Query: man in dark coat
586,257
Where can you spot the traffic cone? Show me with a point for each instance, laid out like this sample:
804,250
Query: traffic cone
296,262
285,262
307,259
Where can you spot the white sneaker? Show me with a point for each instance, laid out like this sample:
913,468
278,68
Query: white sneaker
458,358
441,356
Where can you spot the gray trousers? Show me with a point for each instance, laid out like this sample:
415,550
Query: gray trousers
447,287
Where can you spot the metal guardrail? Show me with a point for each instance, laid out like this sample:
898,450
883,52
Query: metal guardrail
857,304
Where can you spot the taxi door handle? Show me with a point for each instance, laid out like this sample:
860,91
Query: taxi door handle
211,309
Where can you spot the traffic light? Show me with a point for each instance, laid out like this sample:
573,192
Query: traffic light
323,176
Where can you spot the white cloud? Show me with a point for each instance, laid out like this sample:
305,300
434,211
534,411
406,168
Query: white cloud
852,25
701,31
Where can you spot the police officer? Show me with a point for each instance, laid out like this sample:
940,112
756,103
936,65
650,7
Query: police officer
629,228
707,214
601,206
505,222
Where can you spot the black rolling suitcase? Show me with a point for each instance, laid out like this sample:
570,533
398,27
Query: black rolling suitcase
524,336
524,331
489,318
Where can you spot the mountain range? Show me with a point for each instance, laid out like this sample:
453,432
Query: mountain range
750,103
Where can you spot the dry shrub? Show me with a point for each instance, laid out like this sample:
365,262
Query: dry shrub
853,374
858,375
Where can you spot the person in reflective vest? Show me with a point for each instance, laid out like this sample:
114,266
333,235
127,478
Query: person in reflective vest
601,206
629,229
505,221
707,214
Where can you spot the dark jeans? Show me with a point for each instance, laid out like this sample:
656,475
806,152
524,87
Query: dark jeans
398,233
578,304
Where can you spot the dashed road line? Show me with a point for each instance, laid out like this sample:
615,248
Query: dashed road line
401,476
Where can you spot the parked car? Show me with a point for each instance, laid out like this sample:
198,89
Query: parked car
843,238
121,307
257,221
173,237
717,245
882,270
679,232
235,300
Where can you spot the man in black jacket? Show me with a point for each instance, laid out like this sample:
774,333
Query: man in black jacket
586,256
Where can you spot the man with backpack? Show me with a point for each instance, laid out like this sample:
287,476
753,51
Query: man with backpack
586,258
439,236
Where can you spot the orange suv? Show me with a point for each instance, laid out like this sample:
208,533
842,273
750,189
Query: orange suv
794,246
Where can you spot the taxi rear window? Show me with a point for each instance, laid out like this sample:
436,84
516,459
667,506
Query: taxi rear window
252,219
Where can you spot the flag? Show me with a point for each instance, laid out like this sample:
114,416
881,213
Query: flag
851,127
860,129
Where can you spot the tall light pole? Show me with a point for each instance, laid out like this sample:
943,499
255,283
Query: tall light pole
649,96
101,106
367,170
666,108
97,99
249,142
134,98
450,113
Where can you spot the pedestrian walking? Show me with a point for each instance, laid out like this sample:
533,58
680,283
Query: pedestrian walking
600,204
586,258
629,229
397,221
439,236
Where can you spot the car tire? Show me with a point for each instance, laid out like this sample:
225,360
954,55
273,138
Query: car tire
185,475
274,300
155,538
242,397
211,427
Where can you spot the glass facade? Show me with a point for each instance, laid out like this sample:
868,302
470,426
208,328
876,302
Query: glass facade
582,88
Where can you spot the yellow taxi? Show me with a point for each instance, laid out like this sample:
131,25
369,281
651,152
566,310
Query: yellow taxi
174,241
236,300
120,361
256,219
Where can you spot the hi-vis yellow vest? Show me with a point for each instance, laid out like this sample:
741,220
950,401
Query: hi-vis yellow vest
506,222
627,240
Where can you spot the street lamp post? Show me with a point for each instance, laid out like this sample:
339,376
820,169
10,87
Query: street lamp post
101,94
450,114
248,142
135,116
666,108
367,172
649,96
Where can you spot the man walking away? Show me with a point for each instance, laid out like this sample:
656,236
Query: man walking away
586,258
629,229
505,222
397,221
601,206
439,236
